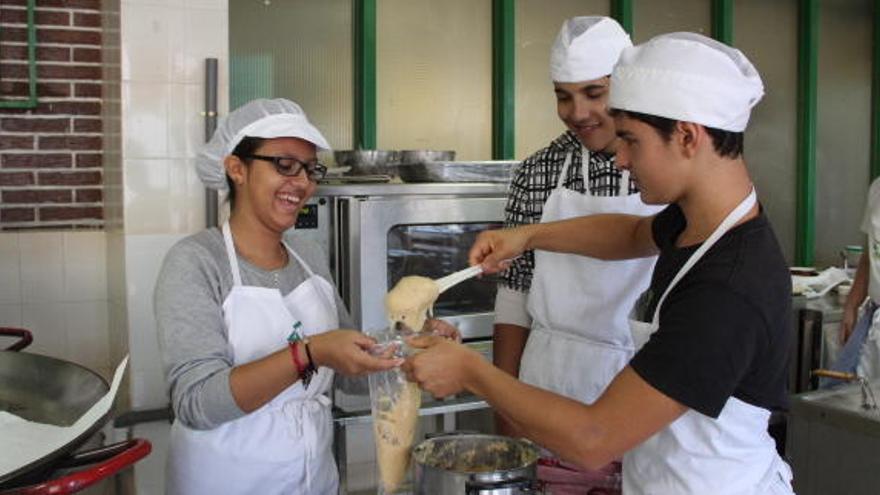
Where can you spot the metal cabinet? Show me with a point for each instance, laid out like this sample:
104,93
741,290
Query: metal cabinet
834,442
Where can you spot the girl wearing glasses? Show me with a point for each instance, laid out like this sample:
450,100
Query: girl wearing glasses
249,321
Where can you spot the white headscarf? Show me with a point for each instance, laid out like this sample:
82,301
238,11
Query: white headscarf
259,118
687,77
586,48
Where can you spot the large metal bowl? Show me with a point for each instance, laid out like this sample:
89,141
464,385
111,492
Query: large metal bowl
426,156
48,390
368,162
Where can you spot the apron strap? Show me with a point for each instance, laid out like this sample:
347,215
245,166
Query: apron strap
564,171
233,261
230,253
585,168
729,221
327,297
585,171
585,161
298,258
305,413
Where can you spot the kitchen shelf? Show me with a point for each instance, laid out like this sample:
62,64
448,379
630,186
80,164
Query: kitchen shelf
447,406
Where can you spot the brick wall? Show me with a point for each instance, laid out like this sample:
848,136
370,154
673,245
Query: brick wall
50,156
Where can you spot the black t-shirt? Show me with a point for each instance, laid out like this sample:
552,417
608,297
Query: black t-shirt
725,327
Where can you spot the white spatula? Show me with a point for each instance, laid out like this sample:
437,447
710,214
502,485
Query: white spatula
458,277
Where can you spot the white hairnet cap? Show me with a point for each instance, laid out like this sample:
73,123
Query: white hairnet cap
586,48
687,77
261,118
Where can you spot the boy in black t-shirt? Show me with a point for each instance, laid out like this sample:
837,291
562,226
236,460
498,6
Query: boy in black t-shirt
691,410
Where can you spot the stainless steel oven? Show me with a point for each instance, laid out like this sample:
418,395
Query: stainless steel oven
377,233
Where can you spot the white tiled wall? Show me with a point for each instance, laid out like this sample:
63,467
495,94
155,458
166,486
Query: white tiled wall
55,285
155,195
158,198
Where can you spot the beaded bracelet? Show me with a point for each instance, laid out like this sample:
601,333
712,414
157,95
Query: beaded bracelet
304,370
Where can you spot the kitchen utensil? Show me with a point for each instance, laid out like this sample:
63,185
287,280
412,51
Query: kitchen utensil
426,156
869,403
449,171
458,277
368,162
837,375
465,463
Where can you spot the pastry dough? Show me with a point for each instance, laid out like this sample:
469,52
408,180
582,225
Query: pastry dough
410,301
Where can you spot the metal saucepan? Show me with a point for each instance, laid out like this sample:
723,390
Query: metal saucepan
468,463
53,391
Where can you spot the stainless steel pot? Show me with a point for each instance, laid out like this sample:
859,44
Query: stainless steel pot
445,171
475,464
368,162
426,156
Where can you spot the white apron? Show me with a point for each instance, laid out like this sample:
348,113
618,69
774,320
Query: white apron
284,447
869,360
579,338
696,454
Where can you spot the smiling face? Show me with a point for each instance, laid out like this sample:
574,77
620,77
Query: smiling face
263,194
656,164
583,107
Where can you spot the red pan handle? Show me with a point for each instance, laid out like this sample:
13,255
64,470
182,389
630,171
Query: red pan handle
25,337
131,452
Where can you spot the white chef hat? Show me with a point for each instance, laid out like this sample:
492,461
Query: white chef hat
261,118
688,77
586,48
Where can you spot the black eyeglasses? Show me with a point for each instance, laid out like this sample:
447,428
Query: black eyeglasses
290,166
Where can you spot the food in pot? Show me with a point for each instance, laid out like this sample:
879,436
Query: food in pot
475,453
410,301
394,424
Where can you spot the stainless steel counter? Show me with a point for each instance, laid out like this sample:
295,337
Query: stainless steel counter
833,442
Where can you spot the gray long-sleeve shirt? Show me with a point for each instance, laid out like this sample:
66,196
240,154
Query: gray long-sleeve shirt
193,283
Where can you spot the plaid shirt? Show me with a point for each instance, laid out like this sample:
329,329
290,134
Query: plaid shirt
536,178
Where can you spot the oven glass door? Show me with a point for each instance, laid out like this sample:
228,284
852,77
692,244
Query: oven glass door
436,250
388,238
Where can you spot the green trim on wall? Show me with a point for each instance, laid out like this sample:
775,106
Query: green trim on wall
622,11
808,61
31,102
503,79
875,95
722,21
364,57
